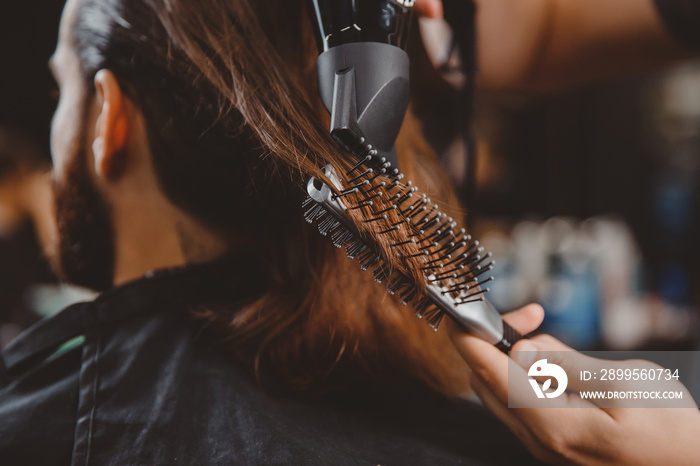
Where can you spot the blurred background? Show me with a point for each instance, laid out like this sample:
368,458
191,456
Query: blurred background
588,199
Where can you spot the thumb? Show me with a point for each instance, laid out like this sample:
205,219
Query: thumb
526,319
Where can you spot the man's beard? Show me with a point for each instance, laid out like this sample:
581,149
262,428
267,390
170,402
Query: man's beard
85,255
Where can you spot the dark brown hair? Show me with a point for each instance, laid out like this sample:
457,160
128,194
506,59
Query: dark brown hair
227,90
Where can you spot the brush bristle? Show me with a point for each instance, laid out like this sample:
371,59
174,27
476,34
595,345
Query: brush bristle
404,238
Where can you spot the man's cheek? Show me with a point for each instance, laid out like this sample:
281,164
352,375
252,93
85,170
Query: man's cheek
57,147
61,143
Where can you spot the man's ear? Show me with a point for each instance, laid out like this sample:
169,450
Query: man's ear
112,126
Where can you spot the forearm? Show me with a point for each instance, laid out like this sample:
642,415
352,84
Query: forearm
554,44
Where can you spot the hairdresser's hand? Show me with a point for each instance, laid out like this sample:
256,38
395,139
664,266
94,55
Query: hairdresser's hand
546,45
577,436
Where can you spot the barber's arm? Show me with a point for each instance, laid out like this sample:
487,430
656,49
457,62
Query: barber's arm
564,435
554,44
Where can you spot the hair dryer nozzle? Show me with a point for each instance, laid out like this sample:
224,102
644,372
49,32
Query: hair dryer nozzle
363,72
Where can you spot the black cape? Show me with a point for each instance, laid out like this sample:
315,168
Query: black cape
140,386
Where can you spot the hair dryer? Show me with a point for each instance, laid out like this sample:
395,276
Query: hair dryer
363,72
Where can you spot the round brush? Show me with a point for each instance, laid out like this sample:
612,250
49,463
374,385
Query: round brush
382,221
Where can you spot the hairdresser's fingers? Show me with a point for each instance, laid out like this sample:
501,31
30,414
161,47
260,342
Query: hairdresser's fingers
480,354
429,8
509,418
557,433
485,360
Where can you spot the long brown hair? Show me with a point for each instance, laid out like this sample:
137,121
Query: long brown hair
235,127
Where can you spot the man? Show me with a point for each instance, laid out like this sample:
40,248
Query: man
183,135
546,45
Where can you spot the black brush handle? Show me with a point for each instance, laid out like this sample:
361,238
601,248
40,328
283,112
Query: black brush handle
510,337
